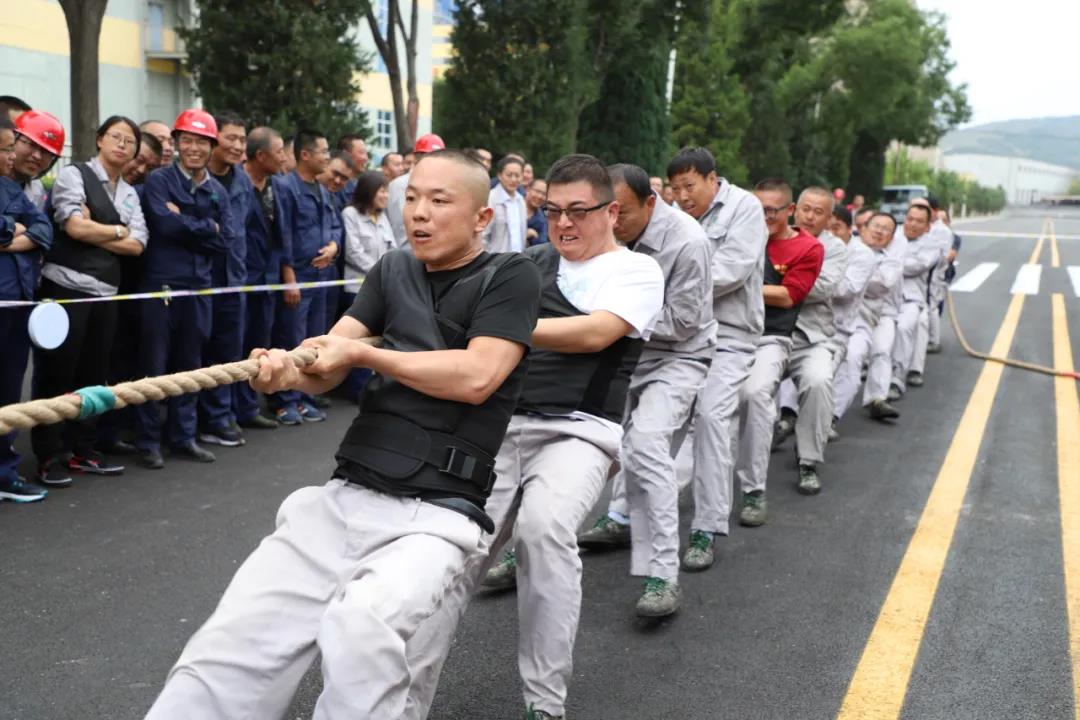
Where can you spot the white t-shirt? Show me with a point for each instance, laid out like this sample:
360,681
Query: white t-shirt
622,282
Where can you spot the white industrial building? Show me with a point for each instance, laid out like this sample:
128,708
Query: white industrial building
1025,181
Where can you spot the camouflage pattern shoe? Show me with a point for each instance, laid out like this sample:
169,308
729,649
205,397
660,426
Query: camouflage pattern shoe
660,599
809,483
754,509
502,575
606,534
699,554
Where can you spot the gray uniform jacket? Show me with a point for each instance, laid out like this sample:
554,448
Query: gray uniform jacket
922,255
735,225
395,208
816,318
943,237
882,296
685,326
862,261
497,236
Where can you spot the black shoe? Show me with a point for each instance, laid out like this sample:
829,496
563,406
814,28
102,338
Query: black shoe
192,451
151,459
222,435
120,447
259,422
881,410
54,472
95,464
321,402
16,489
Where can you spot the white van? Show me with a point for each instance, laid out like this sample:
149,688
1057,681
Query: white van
895,198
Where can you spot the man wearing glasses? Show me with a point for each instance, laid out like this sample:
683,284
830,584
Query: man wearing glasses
734,222
39,140
598,303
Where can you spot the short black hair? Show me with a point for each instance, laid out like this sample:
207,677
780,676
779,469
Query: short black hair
117,120
863,211
582,168
151,142
367,187
228,117
934,204
842,214
260,138
633,177
5,122
775,185
305,139
509,160
878,213
346,141
698,159
925,209
386,158
343,157
11,102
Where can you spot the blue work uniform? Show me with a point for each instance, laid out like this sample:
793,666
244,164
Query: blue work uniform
18,281
305,222
180,255
336,271
227,327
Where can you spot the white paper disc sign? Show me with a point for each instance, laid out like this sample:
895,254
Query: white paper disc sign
48,325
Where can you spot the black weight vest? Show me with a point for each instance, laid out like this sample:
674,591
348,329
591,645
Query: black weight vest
778,321
562,383
404,442
97,262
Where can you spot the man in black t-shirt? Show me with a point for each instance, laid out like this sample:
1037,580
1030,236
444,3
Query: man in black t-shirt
357,564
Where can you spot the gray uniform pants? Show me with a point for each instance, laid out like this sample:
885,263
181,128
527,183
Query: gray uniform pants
715,434
879,372
811,370
550,473
938,290
848,377
907,327
758,414
349,572
922,338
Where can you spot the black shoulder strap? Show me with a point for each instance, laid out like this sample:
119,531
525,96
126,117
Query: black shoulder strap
101,207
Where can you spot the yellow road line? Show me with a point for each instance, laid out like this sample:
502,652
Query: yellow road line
1055,257
878,688
1038,245
1068,456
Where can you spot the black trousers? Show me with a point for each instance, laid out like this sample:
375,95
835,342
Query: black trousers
83,359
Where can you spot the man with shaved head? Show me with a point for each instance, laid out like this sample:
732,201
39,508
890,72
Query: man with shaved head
356,564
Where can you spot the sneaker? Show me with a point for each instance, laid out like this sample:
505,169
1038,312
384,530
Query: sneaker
895,393
288,415
321,402
785,428
310,413
661,598
700,553
881,410
192,451
502,575
915,378
95,464
834,434
151,459
222,435
119,447
534,714
809,483
606,534
933,348
259,422
17,489
54,473
754,509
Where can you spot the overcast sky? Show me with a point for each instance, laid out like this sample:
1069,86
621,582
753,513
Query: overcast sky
1017,58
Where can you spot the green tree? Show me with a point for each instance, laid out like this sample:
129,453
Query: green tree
519,77
709,107
1074,186
283,64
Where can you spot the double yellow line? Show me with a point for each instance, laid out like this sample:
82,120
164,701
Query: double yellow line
881,679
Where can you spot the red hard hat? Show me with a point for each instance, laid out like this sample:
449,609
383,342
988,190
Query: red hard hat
42,129
196,122
428,143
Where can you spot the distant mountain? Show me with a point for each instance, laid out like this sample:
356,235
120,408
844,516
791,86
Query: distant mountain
1054,140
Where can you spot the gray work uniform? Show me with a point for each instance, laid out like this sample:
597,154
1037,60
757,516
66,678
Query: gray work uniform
395,208
668,377
930,330
735,224
920,258
810,364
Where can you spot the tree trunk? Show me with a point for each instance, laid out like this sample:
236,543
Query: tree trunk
867,167
387,46
84,19
410,60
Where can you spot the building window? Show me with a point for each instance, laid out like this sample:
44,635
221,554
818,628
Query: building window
384,130
155,24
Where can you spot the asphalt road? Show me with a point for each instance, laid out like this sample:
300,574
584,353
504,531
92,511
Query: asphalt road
102,583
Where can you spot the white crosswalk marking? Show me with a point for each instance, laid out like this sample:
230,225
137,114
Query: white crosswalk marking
1074,278
1027,280
971,280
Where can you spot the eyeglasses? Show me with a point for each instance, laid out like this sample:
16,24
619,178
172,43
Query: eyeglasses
774,211
576,214
34,147
122,140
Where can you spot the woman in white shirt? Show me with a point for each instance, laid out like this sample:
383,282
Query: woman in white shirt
368,236
507,230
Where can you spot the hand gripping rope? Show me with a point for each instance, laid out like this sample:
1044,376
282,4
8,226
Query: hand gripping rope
91,401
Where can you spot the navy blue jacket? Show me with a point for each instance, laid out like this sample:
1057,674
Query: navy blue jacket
304,223
182,247
19,271
263,242
231,269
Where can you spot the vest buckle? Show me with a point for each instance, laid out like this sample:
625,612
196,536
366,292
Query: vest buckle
461,464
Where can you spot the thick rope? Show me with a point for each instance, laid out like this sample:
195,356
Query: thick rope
48,411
